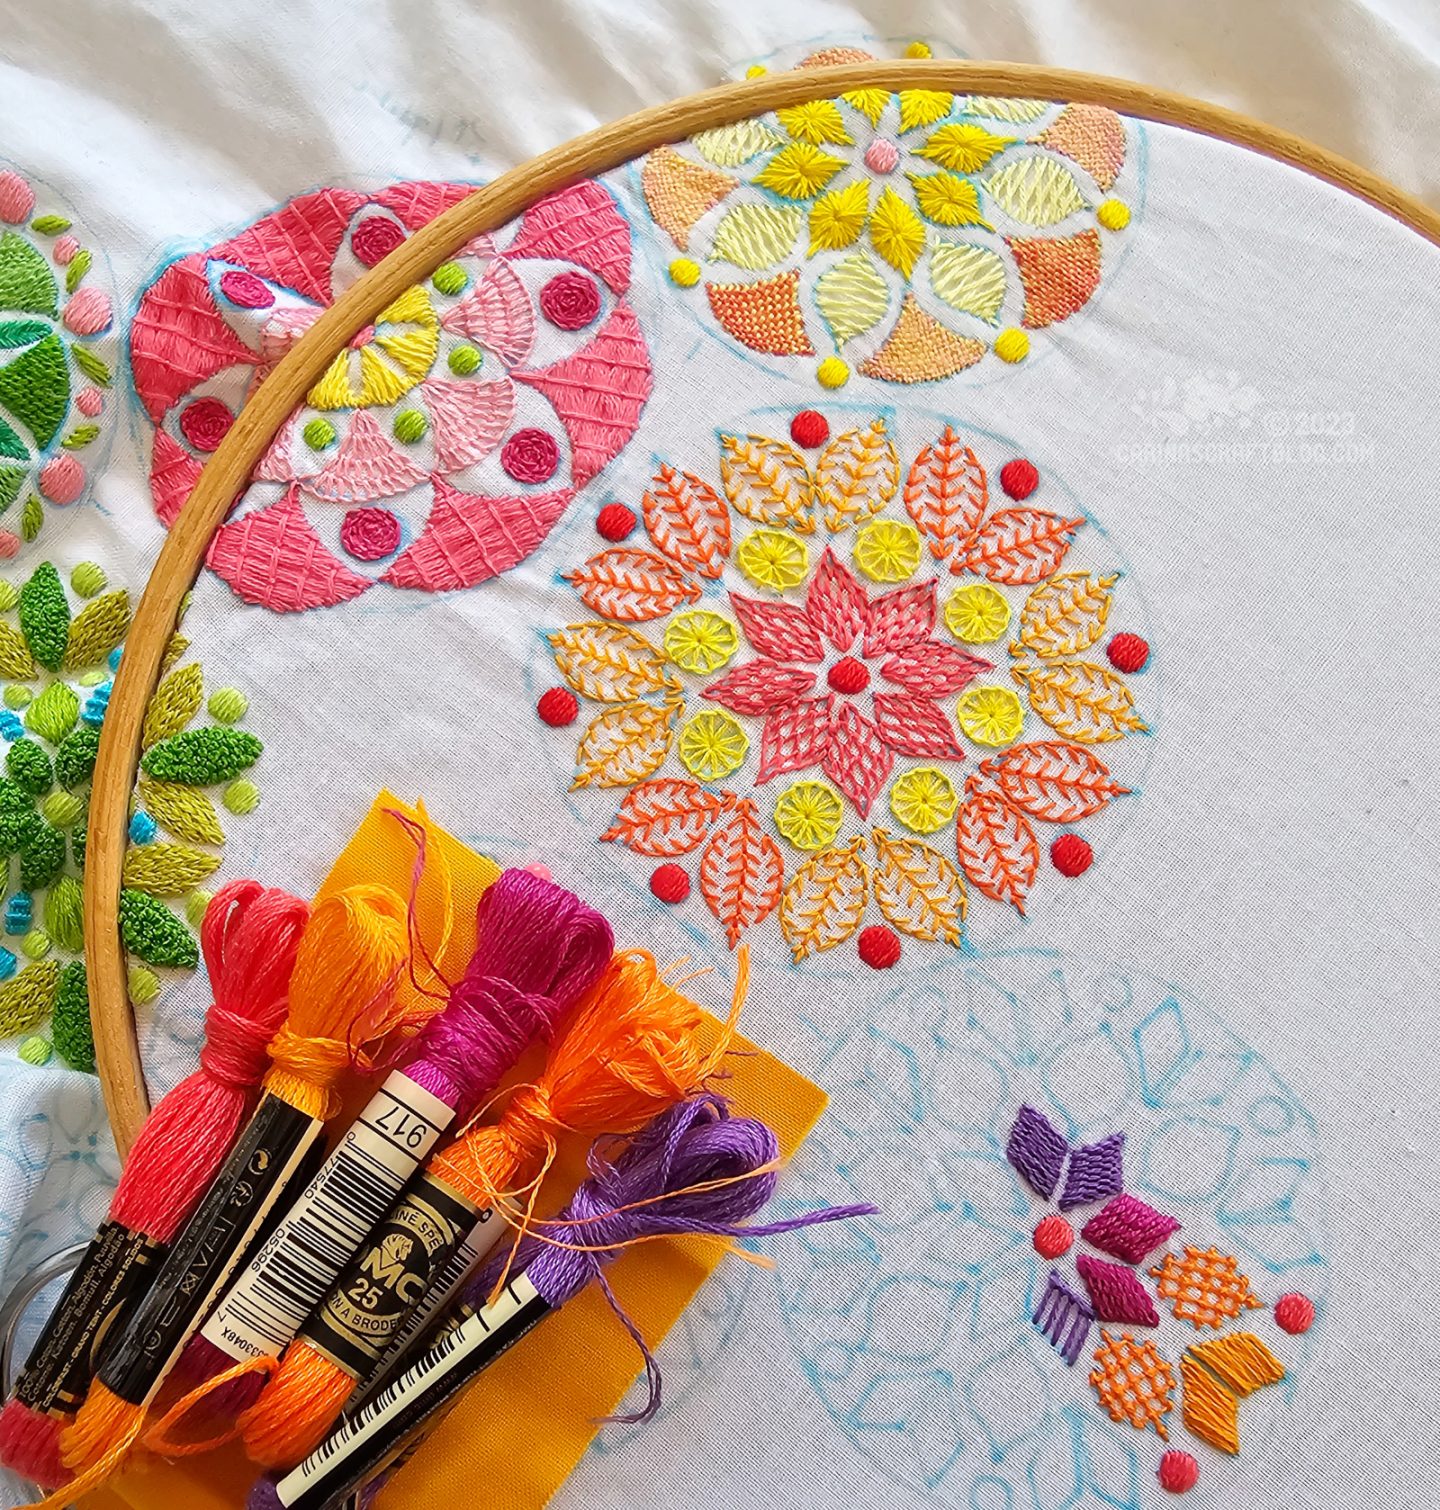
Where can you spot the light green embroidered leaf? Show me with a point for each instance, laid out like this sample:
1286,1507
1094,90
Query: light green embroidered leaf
81,435
91,365
995,108
75,272
49,225
98,628
168,870
32,517
176,701
64,914
52,715
1038,191
968,278
756,236
852,297
16,662
183,811
730,146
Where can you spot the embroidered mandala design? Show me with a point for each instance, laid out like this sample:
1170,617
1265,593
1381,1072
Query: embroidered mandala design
907,235
55,361
437,450
56,663
814,643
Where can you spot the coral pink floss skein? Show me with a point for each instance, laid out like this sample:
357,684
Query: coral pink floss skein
539,949
250,934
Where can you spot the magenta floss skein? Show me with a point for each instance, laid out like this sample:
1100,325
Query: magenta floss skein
539,948
694,1170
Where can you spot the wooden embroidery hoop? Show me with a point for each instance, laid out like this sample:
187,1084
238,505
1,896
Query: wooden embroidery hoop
116,1047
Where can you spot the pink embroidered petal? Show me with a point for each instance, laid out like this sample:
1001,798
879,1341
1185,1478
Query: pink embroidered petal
835,601
284,326
794,737
366,467
857,759
469,538
933,668
496,314
296,245
778,630
179,338
1116,1293
418,204
278,462
760,687
580,224
896,620
173,474
1128,1228
273,557
598,392
469,419
913,725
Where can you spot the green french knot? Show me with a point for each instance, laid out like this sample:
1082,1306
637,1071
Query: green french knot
26,282
64,914
228,705
12,479
32,517
92,366
36,1051
410,425
35,388
450,278
35,944
62,809
75,758
26,1001
28,766
464,360
74,1041
45,616
318,433
53,714
79,265
241,796
49,225
89,579
202,757
153,933
195,906
18,818
42,856
142,985
97,630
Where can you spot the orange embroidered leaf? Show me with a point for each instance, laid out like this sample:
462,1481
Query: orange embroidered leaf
625,744
857,475
741,872
824,903
678,192
688,520
608,663
767,481
946,493
918,889
631,585
997,847
1019,546
1208,1411
1053,781
1080,700
1065,615
666,817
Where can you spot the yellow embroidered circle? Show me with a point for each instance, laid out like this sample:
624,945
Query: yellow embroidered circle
991,715
684,272
712,745
924,800
887,551
832,373
771,558
977,614
808,814
1012,345
701,641
1113,214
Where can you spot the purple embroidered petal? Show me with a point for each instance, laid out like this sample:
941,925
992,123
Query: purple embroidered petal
1097,1171
1128,1229
1037,1151
1064,1317
1116,1293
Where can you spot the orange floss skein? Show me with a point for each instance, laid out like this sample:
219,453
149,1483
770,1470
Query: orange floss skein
629,1050
249,936
343,1002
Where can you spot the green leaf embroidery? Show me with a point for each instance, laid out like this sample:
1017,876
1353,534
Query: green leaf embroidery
79,266
168,870
65,913
100,626
183,811
176,701
202,757
42,856
75,759
92,366
52,715
26,1001
74,1039
153,933
45,616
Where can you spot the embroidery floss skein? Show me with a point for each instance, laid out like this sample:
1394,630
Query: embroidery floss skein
694,1171
342,1002
249,936
629,1051
539,949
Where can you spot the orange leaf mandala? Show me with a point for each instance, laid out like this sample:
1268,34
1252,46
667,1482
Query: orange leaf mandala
1019,546
741,872
1053,781
688,520
996,846
666,817
946,493
631,585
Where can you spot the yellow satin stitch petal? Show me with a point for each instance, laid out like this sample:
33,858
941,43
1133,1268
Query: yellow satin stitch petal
887,551
832,373
684,272
1012,345
924,800
700,642
808,814
991,715
771,558
1113,214
978,614
712,745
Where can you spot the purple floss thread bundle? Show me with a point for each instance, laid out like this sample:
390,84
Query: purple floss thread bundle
539,948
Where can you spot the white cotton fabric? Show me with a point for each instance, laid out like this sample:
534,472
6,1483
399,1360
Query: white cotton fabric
1275,874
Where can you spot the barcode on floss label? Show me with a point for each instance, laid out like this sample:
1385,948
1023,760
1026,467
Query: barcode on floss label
358,1184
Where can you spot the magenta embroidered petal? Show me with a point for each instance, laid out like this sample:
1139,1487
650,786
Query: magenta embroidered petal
1116,1293
913,725
857,759
794,737
835,602
778,630
896,620
1128,1228
366,467
760,687
297,244
933,668
469,419
496,314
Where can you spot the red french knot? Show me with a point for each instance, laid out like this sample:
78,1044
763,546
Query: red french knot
1133,1382
1178,1472
879,947
849,675
375,238
370,534
530,456
205,423
1019,478
1054,1237
1071,855
570,301
615,523
1128,652
809,428
1294,1314
670,883
245,290
558,707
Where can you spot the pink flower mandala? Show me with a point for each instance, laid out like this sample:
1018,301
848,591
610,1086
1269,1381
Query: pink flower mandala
432,453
